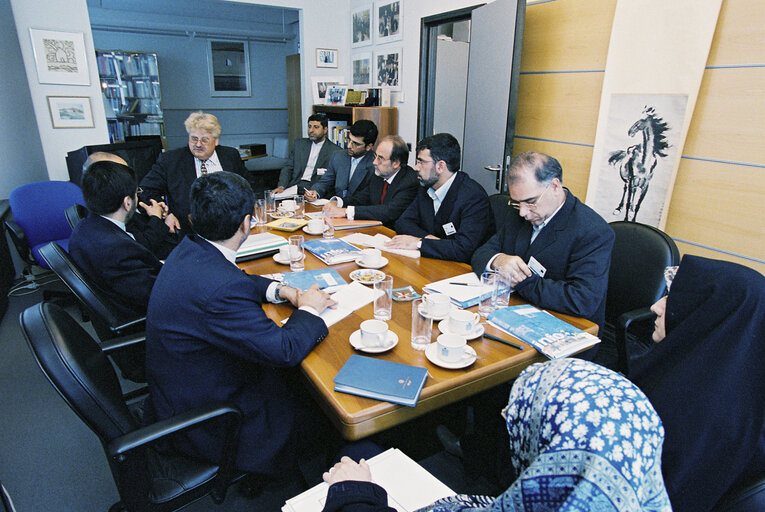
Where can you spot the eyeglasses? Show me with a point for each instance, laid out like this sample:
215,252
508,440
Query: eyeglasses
420,161
138,191
531,204
196,140
380,157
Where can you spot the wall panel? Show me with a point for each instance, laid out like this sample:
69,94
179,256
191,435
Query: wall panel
740,34
574,159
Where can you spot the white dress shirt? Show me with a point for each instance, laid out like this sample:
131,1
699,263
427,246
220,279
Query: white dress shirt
309,166
212,164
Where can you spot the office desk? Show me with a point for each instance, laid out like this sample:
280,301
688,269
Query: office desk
357,417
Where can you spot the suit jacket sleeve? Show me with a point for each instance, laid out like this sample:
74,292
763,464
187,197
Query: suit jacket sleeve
154,183
408,223
355,496
149,231
585,284
397,199
487,251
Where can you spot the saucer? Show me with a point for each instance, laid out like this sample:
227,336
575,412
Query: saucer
278,259
367,276
306,230
281,214
383,261
432,354
443,326
421,309
391,342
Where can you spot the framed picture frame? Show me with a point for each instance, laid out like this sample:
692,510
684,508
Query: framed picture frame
336,95
388,68
228,68
361,26
362,71
70,111
389,21
326,58
319,86
60,57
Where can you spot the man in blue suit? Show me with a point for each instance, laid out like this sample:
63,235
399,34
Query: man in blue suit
450,217
208,338
557,251
347,171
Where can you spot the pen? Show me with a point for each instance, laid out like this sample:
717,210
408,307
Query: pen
466,284
506,342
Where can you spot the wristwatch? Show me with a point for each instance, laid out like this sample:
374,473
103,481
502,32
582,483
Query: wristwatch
277,292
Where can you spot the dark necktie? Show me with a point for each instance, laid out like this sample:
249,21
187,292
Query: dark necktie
385,189
203,167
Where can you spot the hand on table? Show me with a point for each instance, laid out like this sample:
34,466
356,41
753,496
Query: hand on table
512,267
346,469
402,242
332,210
278,190
172,223
315,298
311,195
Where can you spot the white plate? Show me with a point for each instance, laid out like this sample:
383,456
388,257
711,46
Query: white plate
280,214
367,276
390,342
305,229
432,354
443,326
278,259
421,309
383,261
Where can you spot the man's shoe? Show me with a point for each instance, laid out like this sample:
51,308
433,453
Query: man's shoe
449,441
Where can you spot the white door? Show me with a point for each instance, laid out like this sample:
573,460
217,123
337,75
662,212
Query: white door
492,91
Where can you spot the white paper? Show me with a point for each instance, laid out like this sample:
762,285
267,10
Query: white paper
409,485
315,215
378,242
460,293
288,192
319,202
349,298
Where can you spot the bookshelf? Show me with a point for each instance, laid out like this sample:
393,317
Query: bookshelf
130,90
386,118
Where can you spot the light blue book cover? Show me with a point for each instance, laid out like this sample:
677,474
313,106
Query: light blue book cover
324,277
332,250
382,380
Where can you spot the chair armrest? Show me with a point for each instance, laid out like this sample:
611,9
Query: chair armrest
115,344
130,323
18,238
621,326
143,436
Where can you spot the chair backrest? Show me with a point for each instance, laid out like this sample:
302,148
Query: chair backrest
38,208
74,214
99,307
78,369
499,208
639,257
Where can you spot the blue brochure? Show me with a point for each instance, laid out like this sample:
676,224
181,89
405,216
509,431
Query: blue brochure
381,380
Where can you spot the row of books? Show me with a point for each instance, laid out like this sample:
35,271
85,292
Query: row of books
119,128
121,64
135,88
339,133
118,106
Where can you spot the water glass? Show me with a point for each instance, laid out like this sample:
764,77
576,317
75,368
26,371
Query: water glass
270,200
329,229
297,253
503,290
422,326
487,305
384,303
260,212
299,207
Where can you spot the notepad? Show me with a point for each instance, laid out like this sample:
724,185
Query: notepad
382,380
260,243
462,296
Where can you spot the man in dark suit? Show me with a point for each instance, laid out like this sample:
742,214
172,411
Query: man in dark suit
174,172
208,338
557,251
309,157
385,194
348,170
121,268
450,217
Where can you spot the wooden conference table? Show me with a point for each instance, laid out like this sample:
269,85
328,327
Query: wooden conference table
357,417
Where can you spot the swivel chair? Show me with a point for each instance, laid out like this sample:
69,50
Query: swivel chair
635,280
150,475
499,208
74,214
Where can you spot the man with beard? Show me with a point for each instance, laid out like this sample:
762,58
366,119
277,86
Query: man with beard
309,157
450,217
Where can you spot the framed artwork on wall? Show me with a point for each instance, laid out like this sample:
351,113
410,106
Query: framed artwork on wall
336,94
389,23
362,70
319,86
70,111
361,26
326,58
60,57
388,68
228,68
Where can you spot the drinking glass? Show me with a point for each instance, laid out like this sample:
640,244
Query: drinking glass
270,200
260,212
384,302
503,289
488,280
297,253
329,229
422,326
299,207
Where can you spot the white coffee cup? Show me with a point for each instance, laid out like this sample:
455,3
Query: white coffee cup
374,333
463,322
437,304
371,256
284,252
316,225
451,347
288,205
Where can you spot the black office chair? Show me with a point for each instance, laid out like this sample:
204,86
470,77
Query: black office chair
748,496
635,280
75,213
149,475
106,322
499,208
5,500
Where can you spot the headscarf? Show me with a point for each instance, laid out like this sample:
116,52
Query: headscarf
581,438
706,380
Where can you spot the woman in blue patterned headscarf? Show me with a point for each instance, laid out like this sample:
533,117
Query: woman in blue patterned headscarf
581,438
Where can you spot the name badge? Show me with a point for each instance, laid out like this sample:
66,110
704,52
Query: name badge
537,267
449,229
320,171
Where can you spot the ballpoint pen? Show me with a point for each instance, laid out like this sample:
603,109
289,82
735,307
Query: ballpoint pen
506,342
466,284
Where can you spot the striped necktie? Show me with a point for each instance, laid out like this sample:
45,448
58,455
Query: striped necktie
203,167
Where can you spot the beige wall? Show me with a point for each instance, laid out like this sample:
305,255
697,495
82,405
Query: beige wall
719,195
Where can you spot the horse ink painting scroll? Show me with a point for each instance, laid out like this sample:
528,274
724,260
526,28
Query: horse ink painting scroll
641,148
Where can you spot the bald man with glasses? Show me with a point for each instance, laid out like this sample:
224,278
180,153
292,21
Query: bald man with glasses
556,252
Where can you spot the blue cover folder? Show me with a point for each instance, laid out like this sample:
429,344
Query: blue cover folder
324,277
381,380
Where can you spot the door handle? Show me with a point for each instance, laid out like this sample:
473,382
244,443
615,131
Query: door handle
491,168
